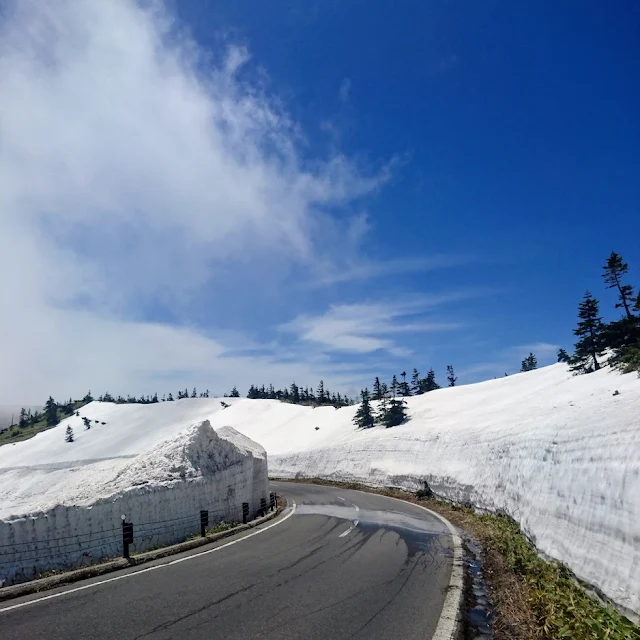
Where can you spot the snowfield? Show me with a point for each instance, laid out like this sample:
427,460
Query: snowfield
61,503
559,453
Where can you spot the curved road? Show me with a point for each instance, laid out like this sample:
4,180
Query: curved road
340,564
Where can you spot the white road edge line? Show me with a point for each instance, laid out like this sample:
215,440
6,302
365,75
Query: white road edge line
159,566
341,498
449,621
350,529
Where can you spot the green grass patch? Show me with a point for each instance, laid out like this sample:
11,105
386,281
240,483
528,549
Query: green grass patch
562,607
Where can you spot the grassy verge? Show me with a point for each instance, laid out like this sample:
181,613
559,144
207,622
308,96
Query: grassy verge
533,599
15,434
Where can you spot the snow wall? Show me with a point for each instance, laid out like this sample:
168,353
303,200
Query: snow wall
161,491
558,453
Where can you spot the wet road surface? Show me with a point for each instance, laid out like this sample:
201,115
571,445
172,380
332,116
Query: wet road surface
343,564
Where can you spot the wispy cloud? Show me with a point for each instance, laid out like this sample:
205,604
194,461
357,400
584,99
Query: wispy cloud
131,179
367,270
368,327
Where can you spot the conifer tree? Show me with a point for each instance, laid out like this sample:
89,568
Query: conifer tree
320,393
395,414
23,422
363,418
429,383
234,393
415,382
193,393
563,356
68,434
624,332
451,376
613,272
529,363
87,423
169,398
394,385
51,412
590,331
377,390
403,388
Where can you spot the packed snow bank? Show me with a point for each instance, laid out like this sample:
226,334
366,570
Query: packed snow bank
558,453
61,503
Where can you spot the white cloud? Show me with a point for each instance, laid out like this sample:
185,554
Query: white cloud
368,327
132,178
364,269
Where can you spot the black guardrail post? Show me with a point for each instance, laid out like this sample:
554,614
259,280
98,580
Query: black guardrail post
127,536
273,500
245,512
263,506
204,522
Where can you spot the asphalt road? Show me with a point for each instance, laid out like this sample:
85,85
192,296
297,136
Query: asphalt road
343,565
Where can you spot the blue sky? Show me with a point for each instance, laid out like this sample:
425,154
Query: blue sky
294,190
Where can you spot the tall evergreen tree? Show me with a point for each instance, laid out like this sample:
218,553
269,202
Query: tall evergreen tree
529,363
194,394
394,385
590,331
395,414
403,388
563,356
320,393
377,389
415,382
51,412
613,271
364,417
68,435
23,422
294,392
169,398
234,392
429,383
451,377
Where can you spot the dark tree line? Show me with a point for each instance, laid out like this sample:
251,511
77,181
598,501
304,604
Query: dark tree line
295,394
620,338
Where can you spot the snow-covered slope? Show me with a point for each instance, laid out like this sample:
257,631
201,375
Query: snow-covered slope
61,502
559,453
